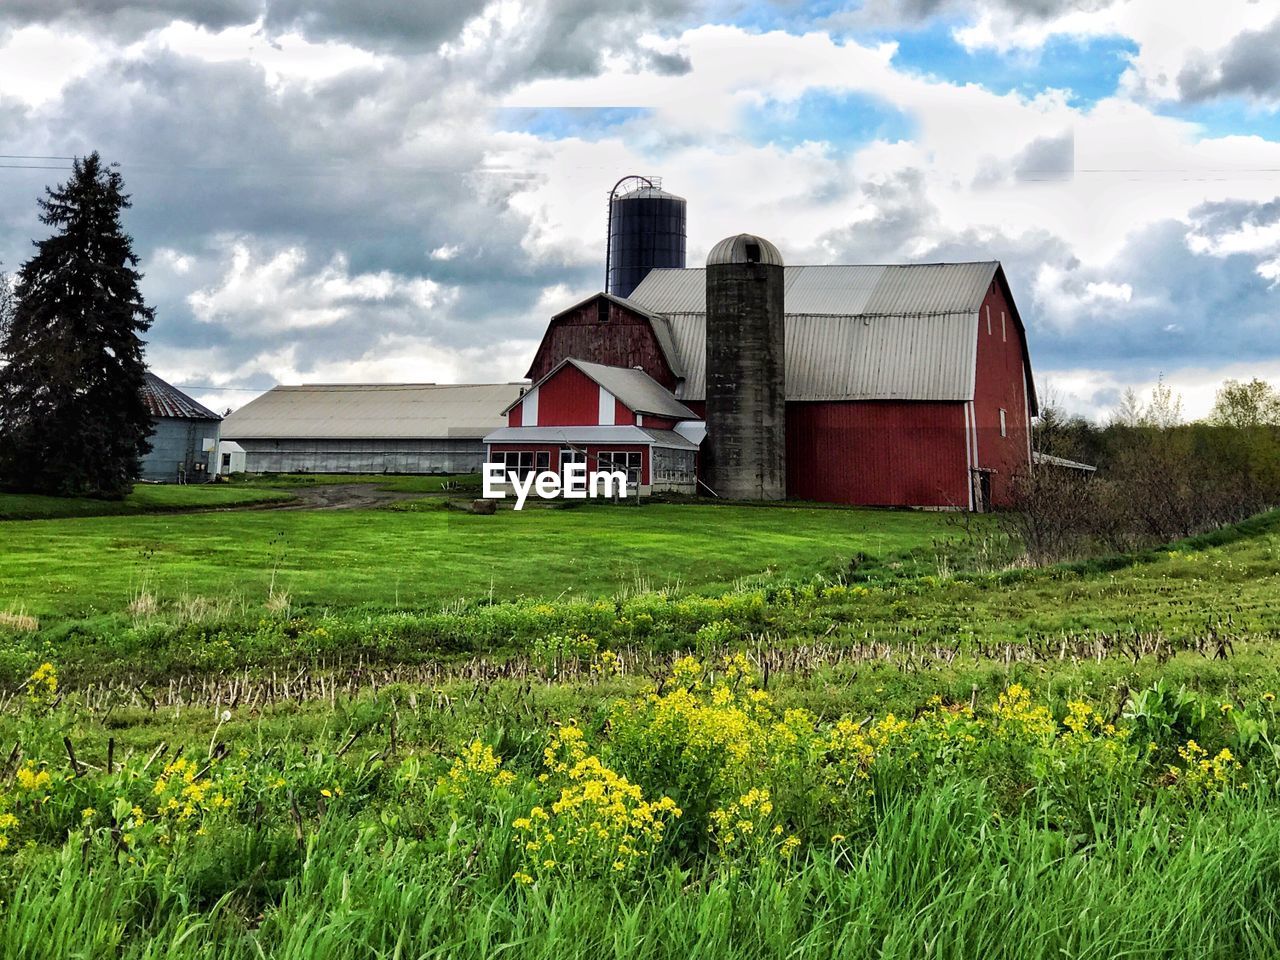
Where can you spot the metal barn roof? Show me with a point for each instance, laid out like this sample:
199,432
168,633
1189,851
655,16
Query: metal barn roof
165,400
857,332
620,433
636,389
401,411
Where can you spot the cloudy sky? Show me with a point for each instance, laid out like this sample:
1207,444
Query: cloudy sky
381,190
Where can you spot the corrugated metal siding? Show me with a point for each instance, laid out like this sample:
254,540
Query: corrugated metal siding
363,456
838,289
924,288
858,332
165,400
177,444
373,411
668,290
855,357
880,358
881,453
689,331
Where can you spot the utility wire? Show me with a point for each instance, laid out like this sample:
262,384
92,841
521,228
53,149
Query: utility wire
205,386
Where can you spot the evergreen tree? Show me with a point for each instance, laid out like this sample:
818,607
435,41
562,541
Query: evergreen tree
72,417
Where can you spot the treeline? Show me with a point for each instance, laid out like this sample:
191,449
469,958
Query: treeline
1158,479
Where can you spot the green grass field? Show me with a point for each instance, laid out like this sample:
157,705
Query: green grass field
422,559
446,735
397,483
145,498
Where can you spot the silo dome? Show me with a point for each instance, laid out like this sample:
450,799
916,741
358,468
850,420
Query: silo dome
744,248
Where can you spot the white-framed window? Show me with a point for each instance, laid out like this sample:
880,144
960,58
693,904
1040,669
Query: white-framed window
542,460
1004,424
569,455
632,461
519,462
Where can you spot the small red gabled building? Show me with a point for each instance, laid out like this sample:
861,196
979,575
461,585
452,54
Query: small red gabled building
608,417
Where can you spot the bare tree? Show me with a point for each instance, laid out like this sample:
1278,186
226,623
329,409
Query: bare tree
1130,411
1164,409
8,304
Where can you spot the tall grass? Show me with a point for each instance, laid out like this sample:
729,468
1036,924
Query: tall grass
940,876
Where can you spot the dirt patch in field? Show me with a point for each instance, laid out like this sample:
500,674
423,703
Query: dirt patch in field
344,496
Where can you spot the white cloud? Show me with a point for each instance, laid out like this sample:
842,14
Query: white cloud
284,58
277,293
36,63
1095,393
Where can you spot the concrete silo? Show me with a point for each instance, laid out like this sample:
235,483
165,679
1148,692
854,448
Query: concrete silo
745,453
646,230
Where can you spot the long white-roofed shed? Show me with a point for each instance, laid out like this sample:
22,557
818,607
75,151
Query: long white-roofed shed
370,428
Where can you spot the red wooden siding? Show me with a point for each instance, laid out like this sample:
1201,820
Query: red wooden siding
877,453
626,339
622,413
1001,384
569,399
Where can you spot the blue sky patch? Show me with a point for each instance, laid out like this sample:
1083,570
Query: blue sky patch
790,15
1227,118
1089,68
846,120
562,123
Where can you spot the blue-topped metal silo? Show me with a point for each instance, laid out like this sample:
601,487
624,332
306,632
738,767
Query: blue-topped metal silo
647,229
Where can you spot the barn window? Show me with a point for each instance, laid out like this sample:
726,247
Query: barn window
988,319
1004,424
568,455
602,310
1003,334
629,460
543,460
519,462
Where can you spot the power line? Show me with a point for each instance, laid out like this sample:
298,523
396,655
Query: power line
205,386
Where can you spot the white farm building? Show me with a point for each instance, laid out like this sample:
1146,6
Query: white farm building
369,428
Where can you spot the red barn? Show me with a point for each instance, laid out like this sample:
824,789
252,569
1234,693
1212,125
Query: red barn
906,385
